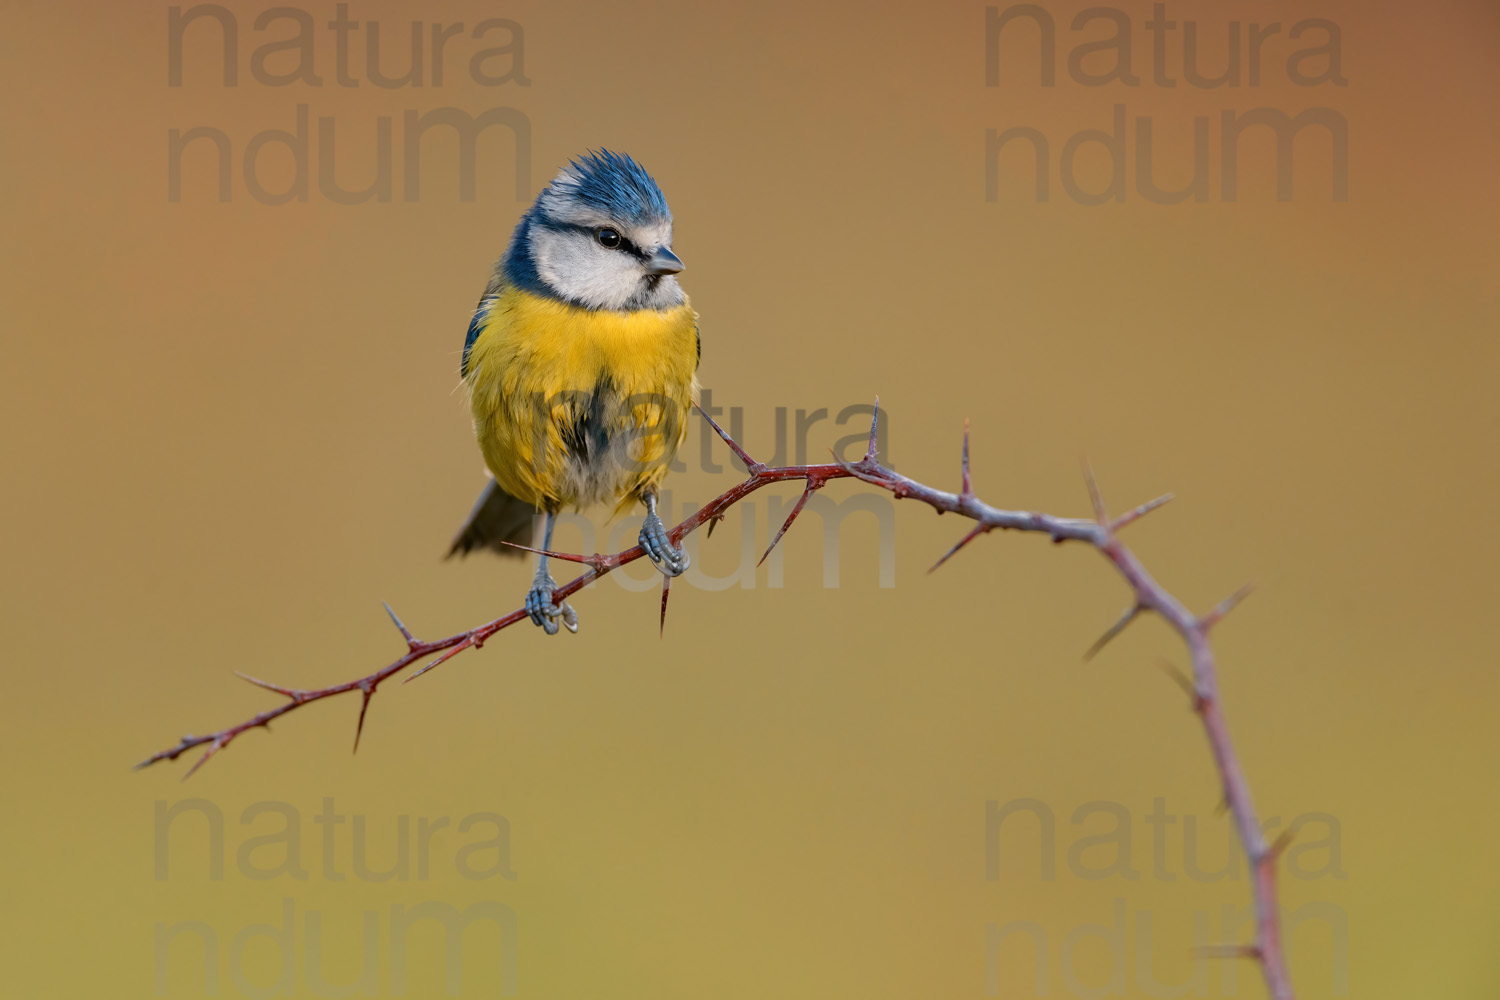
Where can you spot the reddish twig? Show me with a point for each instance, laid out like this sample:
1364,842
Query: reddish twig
1100,532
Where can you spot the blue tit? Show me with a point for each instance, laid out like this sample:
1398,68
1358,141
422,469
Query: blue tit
581,366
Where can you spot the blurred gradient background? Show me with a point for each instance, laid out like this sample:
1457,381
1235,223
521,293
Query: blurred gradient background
232,430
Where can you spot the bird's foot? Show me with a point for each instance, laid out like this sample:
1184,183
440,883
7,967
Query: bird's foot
671,560
543,611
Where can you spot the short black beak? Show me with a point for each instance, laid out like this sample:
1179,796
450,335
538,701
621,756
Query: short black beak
664,261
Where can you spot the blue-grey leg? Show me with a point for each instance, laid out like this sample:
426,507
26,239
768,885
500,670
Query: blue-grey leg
539,599
671,560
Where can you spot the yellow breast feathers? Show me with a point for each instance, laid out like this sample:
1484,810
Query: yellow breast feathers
575,406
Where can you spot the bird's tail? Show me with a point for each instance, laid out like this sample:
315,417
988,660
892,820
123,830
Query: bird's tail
497,518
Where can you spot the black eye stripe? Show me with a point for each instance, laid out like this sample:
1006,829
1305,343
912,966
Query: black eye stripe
624,246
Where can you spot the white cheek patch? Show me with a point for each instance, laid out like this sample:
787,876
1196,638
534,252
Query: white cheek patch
580,269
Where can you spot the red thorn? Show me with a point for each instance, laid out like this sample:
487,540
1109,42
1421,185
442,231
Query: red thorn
968,486
213,748
1181,680
666,589
1095,497
565,556
285,692
450,654
1195,700
1135,515
405,632
812,486
744,456
979,529
1225,606
1230,951
1114,630
364,706
1283,842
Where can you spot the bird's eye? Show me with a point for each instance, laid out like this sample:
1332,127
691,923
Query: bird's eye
608,238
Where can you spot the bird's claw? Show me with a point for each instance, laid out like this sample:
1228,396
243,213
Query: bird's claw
544,612
671,560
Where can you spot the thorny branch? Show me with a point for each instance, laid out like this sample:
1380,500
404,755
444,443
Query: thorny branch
1101,532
